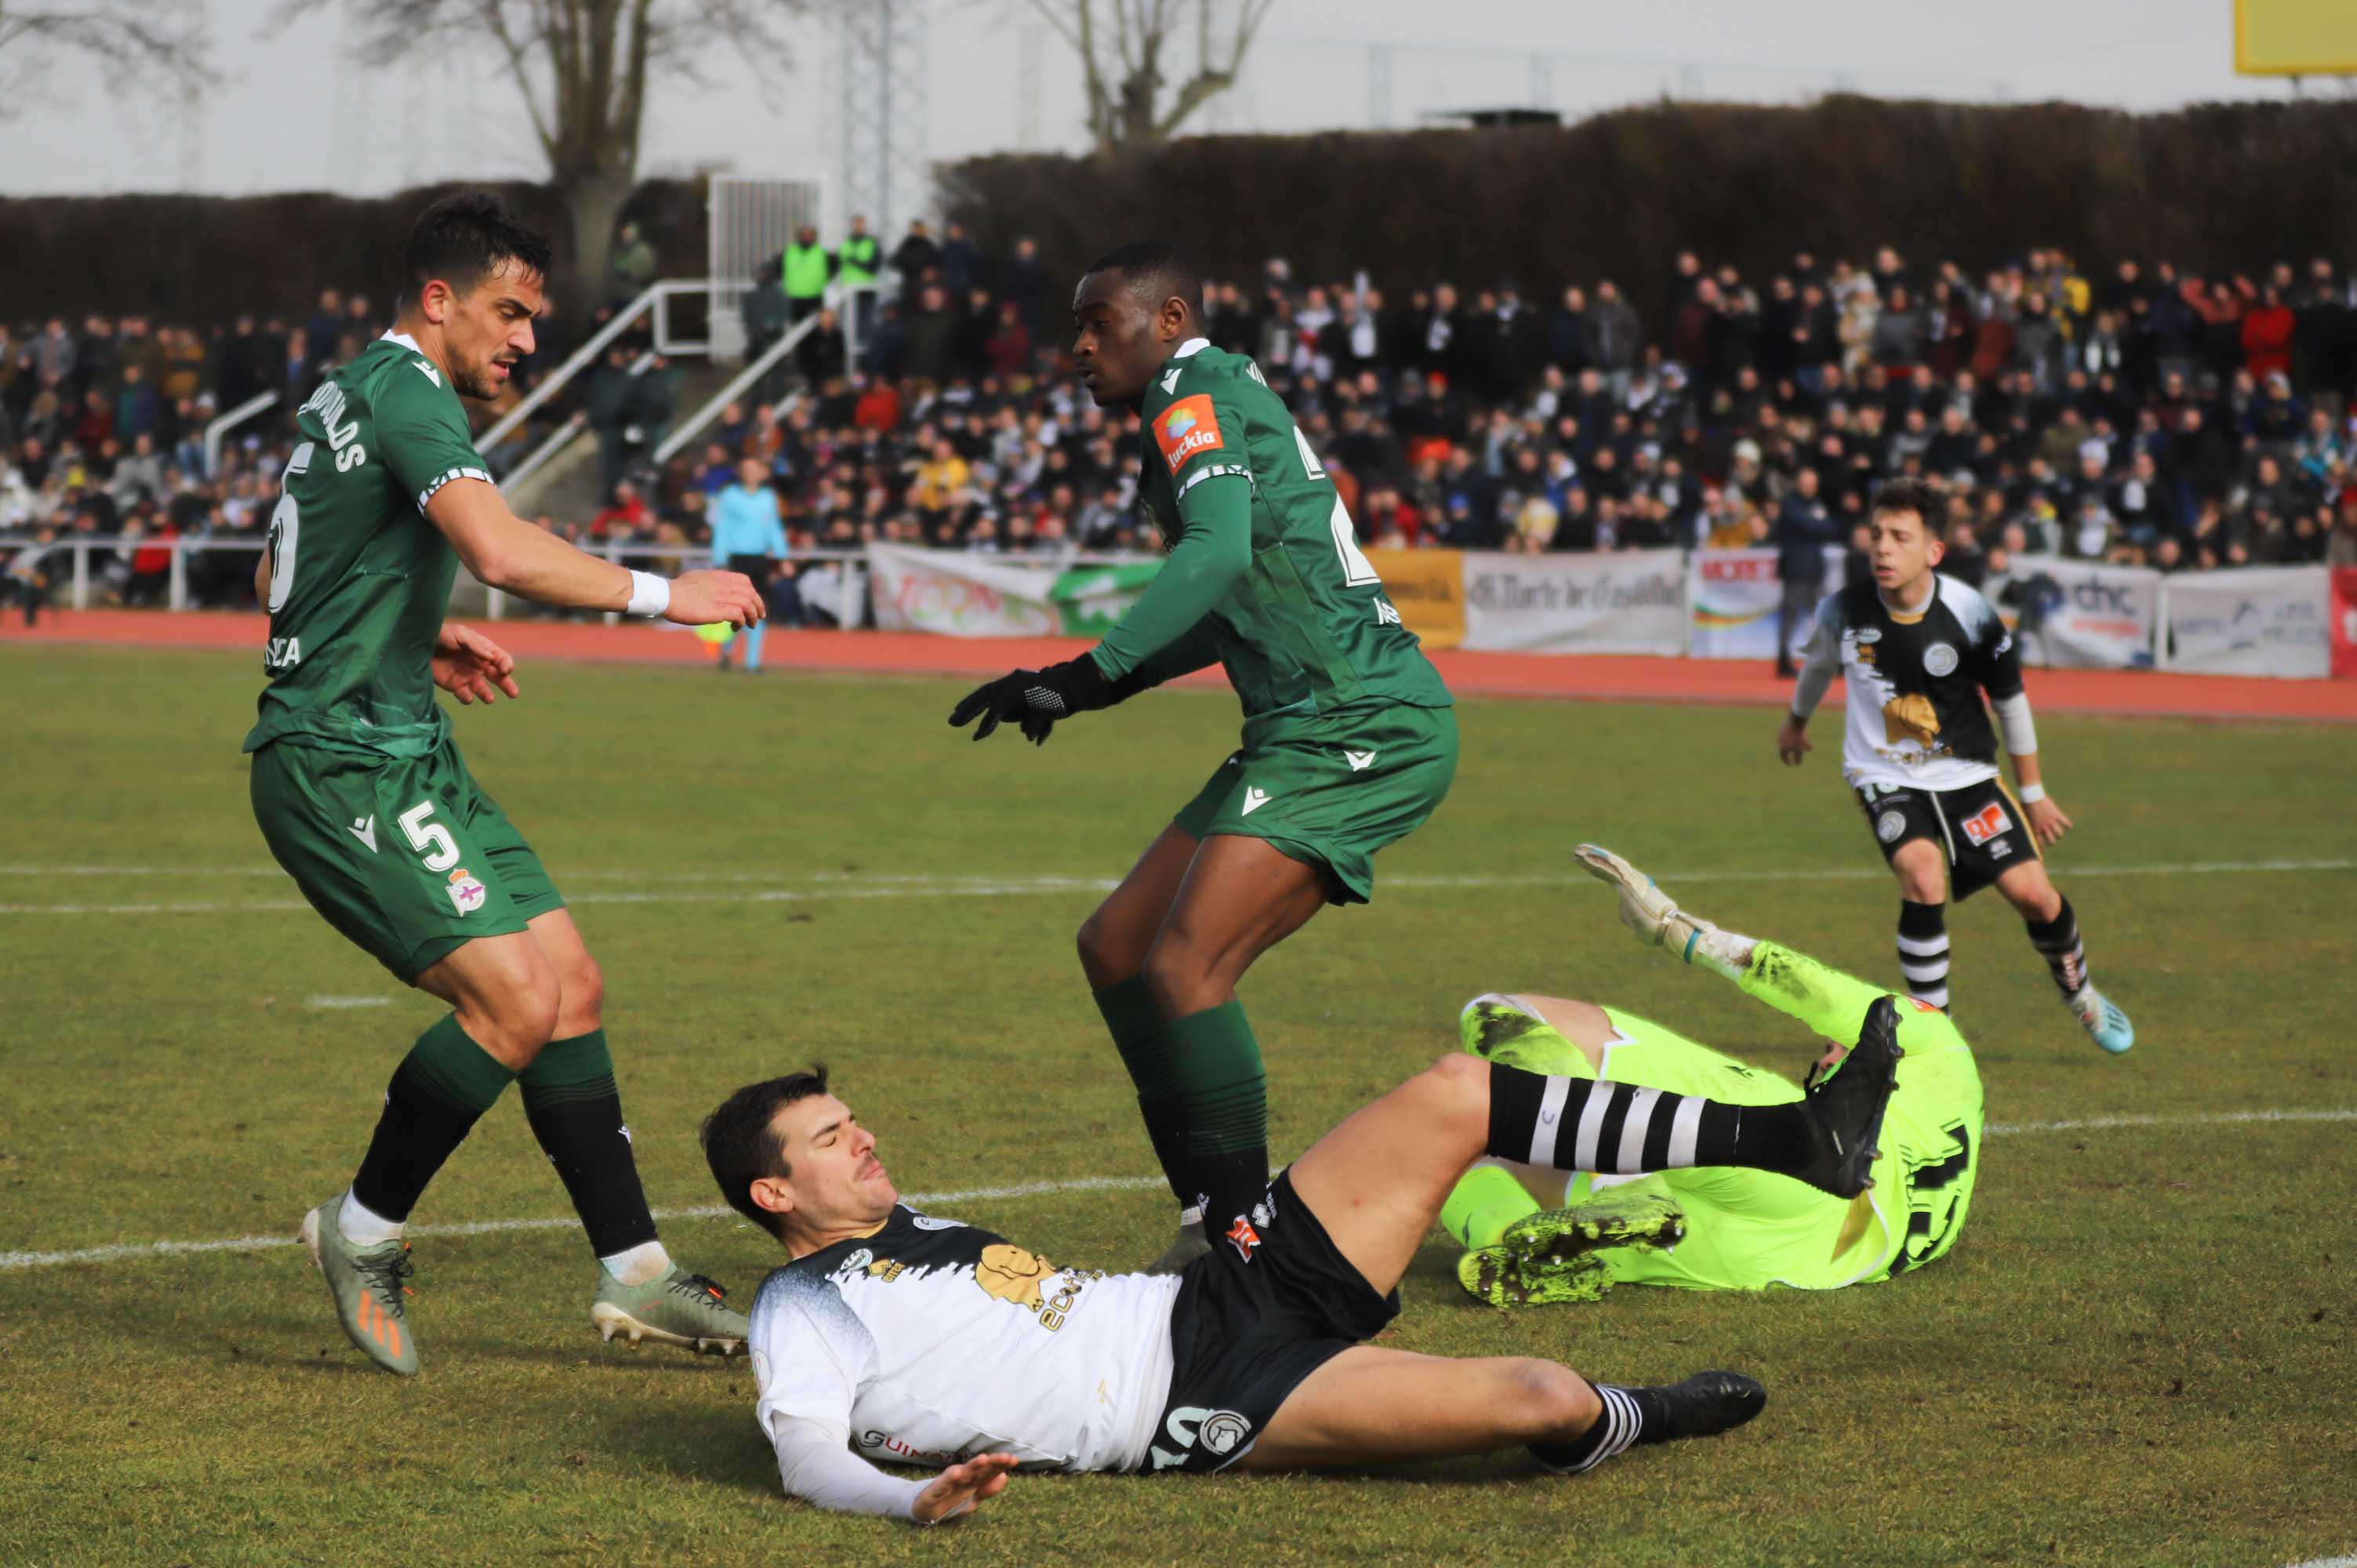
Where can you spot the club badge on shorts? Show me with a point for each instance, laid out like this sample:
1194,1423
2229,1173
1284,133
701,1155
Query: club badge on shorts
466,895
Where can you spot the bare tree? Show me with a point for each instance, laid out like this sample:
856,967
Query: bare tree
1126,49
149,40
582,68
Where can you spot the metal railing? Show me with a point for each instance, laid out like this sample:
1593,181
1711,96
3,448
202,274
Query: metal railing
558,439
219,428
838,296
656,298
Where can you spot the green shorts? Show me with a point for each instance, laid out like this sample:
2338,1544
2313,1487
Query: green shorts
404,855
1748,1229
1330,790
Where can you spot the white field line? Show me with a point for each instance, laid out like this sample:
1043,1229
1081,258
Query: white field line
2348,1561
348,1002
123,1251
853,886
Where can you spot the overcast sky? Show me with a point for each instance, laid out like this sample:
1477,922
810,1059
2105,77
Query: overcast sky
299,112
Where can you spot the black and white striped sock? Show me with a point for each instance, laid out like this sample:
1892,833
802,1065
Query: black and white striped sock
2066,956
1619,1426
1923,950
1619,1129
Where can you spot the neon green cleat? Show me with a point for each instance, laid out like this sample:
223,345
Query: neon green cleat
674,1308
1553,1257
371,1287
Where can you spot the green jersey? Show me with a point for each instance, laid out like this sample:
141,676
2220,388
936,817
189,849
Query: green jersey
360,580
1265,576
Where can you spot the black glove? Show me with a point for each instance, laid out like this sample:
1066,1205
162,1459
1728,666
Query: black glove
1035,698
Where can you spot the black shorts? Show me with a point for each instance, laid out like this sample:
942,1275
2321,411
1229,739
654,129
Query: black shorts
758,567
1273,1303
1979,827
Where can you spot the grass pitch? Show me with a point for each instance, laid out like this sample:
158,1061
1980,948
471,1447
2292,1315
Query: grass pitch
2141,1351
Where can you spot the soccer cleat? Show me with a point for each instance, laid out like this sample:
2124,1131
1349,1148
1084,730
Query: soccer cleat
1843,1107
371,1287
2102,1018
1708,1403
1552,1258
1190,1243
675,1307
1645,909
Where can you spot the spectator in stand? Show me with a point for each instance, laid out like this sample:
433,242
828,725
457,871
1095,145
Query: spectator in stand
633,264
804,271
918,258
1805,526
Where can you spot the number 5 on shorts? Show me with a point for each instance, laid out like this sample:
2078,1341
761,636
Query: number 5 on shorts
429,839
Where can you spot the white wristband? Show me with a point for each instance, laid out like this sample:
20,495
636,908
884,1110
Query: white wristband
2032,793
650,595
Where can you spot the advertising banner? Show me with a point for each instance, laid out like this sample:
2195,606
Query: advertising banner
2080,615
2253,622
955,594
1629,601
1427,589
1731,599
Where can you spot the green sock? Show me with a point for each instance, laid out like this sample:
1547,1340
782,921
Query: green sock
437,1093
458,1070
1485,1201
1224,1096
1138,1030
576,1112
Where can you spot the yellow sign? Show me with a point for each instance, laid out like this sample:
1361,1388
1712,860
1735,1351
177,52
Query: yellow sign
1427,587
2294,37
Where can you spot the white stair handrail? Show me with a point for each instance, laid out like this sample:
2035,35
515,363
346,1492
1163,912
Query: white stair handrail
221,427
688,429
556,380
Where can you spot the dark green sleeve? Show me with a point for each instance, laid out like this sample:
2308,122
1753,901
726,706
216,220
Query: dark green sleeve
1194,651
1213,552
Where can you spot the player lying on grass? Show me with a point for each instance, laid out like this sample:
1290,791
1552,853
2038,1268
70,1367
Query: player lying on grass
1349,742
1535,1237
364,798
1915,650
924,1341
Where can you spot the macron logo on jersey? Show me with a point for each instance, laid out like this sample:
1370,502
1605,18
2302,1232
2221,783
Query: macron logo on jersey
428,372
1186,429
1254,799
1170,381
364,829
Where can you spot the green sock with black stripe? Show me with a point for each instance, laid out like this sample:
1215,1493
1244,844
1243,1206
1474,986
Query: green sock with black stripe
1137,1032
576,1112
437,1094
1223,1094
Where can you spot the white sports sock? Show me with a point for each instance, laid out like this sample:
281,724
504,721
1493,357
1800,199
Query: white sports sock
1191,1215
637,1265
364,1226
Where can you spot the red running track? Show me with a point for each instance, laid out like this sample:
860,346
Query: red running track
1575,677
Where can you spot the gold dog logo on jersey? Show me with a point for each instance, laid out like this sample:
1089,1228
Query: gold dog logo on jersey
1011,1273
1014,1275
1910,717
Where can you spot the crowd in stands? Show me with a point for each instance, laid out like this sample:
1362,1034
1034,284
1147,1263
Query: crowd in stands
2127,412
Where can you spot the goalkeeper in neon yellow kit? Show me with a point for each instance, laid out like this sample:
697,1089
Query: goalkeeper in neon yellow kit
1532,1238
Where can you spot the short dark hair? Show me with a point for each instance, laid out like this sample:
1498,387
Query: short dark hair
1921,496
741,1146
1155,269
463,238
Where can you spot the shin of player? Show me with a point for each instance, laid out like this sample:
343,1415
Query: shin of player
1916,650
361,794
1348,741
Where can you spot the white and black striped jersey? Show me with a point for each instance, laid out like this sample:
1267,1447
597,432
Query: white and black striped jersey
1915,680
933,1342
